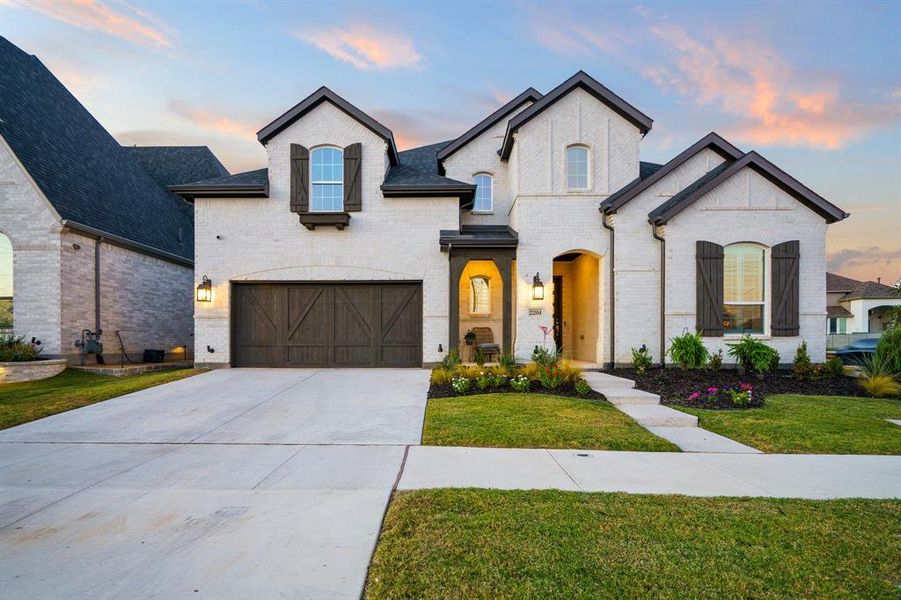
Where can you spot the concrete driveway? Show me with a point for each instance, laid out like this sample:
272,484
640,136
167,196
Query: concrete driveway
262,483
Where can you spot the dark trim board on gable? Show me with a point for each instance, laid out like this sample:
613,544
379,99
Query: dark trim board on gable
589,84
321,95
777,176
712,140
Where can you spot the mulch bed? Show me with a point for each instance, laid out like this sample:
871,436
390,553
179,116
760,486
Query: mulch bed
566,390
674,386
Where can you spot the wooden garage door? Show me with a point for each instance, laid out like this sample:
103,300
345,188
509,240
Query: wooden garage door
327,325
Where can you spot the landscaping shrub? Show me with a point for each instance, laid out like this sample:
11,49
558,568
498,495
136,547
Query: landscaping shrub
461,384
716,360
889,349
544,357
688,350
570,372
881,386
490,379
582,387
753,355
530,371
441,376
16,349
470,372
520,383
452,359
833,367
802,368
478,357
508,361
641,359
741,395
550,376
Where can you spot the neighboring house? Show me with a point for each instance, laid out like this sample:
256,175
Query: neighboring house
858,306
88,239
540,223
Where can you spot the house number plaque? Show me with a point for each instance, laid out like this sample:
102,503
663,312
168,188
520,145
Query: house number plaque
533,312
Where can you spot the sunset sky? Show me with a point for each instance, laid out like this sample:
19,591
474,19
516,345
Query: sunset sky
814,87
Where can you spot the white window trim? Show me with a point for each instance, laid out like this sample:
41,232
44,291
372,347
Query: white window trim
588,178
472,298
324,182
767,277
490,211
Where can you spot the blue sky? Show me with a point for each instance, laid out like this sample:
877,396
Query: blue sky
814,87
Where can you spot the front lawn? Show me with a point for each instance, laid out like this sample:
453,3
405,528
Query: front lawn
810,424
24,402
552,544
511,420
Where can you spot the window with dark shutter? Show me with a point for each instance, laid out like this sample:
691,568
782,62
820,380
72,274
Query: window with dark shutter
300,179
786,289
709,288
353,179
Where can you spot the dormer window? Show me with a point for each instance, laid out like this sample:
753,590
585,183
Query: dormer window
484,200
327,167
577,167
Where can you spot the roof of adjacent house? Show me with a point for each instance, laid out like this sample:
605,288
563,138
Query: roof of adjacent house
321,95
647,178
176,165
854,289
250,184
723,172
580,80
529,95
92,183
834,312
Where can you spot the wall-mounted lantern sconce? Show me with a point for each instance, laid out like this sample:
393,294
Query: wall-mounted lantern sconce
205,290
537,288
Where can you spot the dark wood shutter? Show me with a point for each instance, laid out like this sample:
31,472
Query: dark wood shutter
300,179
353,178
786,289
709,288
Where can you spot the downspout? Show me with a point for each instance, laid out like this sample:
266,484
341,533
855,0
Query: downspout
609,227
97,283
662,294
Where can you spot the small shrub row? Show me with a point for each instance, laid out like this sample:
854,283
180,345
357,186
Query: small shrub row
16,349
738,396
882,370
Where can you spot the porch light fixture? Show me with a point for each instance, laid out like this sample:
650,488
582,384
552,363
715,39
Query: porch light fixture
537,288
205,290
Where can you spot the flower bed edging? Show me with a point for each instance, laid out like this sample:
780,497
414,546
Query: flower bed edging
32,370
567,390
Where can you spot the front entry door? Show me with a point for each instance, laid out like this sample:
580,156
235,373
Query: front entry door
558,312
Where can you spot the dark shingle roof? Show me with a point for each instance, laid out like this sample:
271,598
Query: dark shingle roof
77,164
417,173
479,236
646,169
177,165
687,192
855,289
250,184
838,312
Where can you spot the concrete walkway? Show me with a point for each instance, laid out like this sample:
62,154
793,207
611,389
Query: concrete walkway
674,425
707,474
241,483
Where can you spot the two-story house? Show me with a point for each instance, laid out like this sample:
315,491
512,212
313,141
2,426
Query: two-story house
540,223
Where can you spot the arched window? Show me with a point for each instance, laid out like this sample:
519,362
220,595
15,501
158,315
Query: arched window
479,296
576,167
484,193
744,288
6,282
327,179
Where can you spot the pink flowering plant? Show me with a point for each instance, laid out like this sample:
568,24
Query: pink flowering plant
737,395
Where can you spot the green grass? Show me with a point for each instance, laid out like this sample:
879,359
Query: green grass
534,421
24,402
551,544
811,424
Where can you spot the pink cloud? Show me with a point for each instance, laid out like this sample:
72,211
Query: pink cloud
131,24
364,47
772,102
567,36
867,263
213,121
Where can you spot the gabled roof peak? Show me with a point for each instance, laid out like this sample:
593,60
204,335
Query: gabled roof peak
324,94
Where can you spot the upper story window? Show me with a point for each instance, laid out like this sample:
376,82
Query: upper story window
480,296
744,288
327,166
6,282
484,201
576,168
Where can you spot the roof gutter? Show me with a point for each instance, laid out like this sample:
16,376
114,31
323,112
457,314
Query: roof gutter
126,243
608,227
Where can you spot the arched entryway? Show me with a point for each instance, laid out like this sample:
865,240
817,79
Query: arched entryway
576,303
